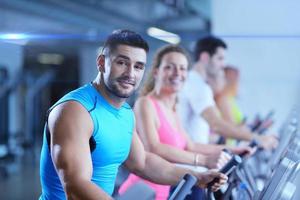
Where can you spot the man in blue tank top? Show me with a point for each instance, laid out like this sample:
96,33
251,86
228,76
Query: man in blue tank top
90,132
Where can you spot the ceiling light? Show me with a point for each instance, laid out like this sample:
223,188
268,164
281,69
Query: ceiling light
50,59
13,36
163,35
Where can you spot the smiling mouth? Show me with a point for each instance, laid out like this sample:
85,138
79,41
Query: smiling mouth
126,83
176,81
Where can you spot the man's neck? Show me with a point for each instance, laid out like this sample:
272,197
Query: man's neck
113,100
200,69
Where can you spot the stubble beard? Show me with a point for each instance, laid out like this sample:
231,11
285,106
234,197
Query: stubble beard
114,90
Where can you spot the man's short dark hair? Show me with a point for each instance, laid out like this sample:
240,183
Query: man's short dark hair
208,44
124,37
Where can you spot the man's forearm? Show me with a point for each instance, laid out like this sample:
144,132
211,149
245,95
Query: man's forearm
230,131
161,171
224,128
84,190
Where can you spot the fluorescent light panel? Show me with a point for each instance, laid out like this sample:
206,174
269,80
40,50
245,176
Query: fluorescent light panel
50,58
163,35
13,36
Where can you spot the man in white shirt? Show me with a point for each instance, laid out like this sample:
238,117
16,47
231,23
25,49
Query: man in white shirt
197,108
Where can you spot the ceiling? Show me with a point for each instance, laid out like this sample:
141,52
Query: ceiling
88,21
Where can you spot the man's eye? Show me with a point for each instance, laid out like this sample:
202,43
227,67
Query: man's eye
141,67
183,68
121,62
167,67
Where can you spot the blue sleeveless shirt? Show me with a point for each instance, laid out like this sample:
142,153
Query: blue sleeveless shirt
111,136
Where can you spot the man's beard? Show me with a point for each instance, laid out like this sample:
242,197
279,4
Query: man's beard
113,89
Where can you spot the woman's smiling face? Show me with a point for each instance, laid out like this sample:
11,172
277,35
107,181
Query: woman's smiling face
172,72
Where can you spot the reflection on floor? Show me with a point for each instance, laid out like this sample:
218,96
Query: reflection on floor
22,181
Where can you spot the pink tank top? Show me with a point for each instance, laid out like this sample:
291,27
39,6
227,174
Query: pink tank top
167,135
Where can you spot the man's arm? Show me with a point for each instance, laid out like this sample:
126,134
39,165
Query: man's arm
71,128
226,129
158,170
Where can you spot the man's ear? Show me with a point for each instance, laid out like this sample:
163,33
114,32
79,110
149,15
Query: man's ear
204,57
101,63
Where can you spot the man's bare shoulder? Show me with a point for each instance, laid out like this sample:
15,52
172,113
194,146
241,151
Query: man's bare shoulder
70,115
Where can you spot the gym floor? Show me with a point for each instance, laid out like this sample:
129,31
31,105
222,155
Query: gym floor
24,183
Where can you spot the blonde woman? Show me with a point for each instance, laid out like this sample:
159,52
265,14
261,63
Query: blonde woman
158,123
